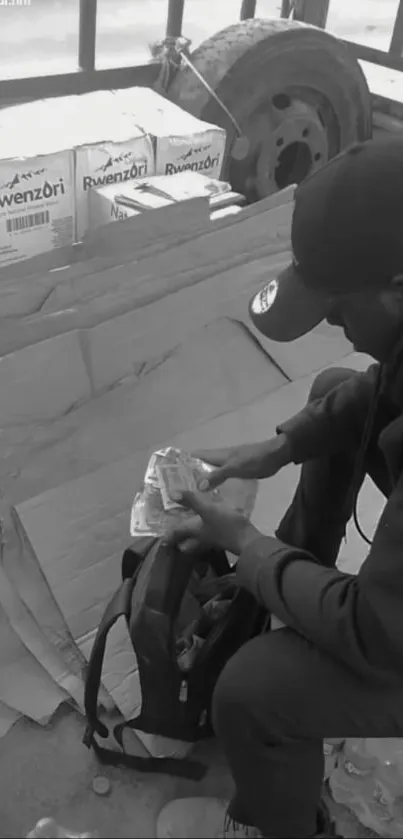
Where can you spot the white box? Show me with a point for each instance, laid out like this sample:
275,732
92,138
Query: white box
110,161
181,141
104,208
151,194
108,147
37,208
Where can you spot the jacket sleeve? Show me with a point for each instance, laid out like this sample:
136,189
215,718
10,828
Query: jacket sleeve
333,423
356,619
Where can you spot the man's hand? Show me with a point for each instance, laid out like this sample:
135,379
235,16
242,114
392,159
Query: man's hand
250,461
214,524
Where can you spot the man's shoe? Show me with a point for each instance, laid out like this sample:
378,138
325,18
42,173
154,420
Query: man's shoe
207,818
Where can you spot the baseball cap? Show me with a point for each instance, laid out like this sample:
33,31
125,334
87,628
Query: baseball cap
347,236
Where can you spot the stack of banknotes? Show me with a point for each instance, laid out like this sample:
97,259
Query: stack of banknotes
156,509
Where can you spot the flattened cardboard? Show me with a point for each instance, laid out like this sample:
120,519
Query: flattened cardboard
31,330
24,291
51,292
121,345
25,686
8,717
271,231
23,623
43,381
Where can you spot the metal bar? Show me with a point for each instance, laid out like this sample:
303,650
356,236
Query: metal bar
391,107
314,12
87,35
248,9
286,8
396,43
44,87
175,18
374,56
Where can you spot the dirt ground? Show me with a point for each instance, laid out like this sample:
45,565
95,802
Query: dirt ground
48,772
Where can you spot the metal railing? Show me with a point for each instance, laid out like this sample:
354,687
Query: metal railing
316,12
89,78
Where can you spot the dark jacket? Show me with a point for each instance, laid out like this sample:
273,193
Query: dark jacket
358,619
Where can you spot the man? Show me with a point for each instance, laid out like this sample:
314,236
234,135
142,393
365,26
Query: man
336,668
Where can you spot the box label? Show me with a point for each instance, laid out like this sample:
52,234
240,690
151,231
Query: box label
105,164
191,154
36,206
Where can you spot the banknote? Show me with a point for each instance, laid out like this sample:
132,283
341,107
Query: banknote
174,479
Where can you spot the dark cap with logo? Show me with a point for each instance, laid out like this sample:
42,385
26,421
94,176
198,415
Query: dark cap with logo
347,236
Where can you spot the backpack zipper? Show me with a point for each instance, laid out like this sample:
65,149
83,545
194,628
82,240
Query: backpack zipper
183,691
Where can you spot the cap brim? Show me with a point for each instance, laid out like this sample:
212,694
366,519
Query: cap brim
286,308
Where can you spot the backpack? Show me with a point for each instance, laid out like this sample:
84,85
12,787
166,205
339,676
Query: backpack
175,701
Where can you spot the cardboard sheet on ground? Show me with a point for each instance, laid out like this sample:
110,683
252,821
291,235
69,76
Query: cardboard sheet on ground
8,717
24,625
105,354
34,616
24,685
35,377
79,531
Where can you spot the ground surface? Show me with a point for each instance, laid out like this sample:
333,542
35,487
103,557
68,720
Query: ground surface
49,772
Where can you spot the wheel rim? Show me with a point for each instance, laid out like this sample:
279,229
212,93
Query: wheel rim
291,135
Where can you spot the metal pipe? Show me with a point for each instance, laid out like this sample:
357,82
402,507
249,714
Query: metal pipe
175,18
396,43
314,12
286,8
87,35
44,87
248,9
374,56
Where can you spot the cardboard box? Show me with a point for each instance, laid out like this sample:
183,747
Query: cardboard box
107,163
107,146
37,208
105,209
112,203
100,139
180,141
37,170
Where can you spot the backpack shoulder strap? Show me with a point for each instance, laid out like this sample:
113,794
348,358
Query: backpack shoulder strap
179,767
119,606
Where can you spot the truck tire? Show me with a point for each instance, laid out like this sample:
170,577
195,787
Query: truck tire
297,93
